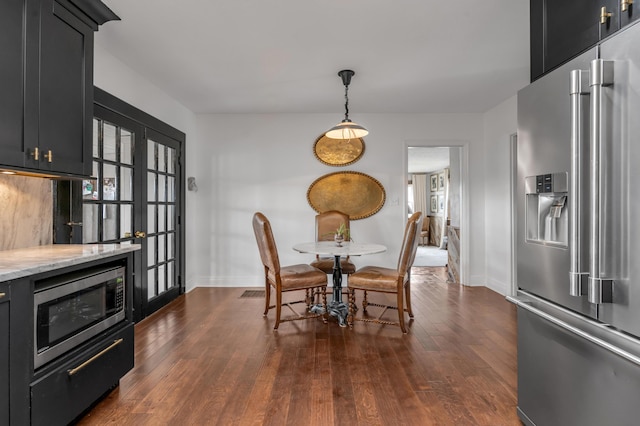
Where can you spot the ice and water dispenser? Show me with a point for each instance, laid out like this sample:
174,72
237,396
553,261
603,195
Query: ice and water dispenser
547,220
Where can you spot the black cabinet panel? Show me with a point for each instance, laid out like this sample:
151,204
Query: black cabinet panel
66,84
61,396
4,354
11,82
629,15
561,29
46,81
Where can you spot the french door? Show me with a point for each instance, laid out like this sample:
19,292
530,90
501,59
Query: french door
134,195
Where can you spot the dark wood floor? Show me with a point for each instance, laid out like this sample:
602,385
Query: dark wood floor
211,358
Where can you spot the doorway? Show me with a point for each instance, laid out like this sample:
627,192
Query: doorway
134,195
436,177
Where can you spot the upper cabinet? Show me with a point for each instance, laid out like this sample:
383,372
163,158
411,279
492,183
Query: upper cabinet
46,120
561,29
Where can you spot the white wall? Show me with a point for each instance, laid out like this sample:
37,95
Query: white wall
247,163
116,78
499,124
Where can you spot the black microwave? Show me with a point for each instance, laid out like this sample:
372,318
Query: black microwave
74,308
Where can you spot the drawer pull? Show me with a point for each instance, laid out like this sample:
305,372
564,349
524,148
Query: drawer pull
2,295
93,358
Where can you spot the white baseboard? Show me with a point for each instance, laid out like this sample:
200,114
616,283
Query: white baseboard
498,287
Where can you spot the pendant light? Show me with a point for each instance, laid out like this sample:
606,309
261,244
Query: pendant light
346,129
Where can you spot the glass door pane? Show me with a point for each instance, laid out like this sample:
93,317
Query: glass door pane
162,179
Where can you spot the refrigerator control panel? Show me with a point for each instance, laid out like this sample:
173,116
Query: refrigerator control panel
551,182
547,219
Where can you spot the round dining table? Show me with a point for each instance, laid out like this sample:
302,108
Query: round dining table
337,308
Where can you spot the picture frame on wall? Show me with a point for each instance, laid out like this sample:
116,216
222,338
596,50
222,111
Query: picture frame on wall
434,204
440,203
441,181
434,182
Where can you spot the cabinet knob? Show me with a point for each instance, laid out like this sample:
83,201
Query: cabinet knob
35,153
604,15
49,156
140,234
625,5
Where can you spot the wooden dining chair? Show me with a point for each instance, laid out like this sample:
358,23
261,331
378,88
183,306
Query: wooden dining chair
286,278
326,225
387,280
424,232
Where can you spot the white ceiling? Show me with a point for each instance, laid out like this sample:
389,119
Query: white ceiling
282,56
421,160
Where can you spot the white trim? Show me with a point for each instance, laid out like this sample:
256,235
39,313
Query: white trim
464,202
498,287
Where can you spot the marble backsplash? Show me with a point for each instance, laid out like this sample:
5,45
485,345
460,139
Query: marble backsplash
26,212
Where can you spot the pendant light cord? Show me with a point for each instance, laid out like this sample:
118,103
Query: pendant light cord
346,103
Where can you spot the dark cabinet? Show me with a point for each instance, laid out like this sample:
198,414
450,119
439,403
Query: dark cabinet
4,354
46,128
11,82
561,29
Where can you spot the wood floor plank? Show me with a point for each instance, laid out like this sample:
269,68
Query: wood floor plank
211,358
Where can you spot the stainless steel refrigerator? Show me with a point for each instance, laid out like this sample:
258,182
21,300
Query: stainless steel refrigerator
578,239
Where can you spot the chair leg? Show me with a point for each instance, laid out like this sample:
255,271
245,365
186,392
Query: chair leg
308,294
401,312
365,302
325,317
407,297
352,305
278,308
267,297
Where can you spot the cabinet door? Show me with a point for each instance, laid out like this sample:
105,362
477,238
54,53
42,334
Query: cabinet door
561,29
65,91
11,82
630,14
4,354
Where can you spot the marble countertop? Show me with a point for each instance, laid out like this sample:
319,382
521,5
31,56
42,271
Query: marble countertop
24,262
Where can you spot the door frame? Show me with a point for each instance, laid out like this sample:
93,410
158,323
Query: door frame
464,201
116,105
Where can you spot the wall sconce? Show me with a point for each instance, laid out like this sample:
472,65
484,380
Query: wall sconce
191,184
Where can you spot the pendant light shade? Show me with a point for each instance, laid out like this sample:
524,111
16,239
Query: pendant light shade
346,129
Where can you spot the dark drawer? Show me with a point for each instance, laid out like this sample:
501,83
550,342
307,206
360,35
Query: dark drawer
62,395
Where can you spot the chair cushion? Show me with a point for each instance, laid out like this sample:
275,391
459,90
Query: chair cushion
301,276
374,278
325,264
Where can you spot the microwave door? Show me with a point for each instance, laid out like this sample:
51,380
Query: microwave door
620,191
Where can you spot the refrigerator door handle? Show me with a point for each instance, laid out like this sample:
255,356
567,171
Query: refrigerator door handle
523,303
601,75
578,272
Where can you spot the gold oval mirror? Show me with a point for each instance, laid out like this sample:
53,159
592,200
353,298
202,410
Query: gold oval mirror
338,152
353,193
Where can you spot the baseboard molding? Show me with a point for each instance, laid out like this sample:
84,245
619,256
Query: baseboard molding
498,287
236,281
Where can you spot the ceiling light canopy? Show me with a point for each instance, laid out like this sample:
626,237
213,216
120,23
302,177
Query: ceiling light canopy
346,129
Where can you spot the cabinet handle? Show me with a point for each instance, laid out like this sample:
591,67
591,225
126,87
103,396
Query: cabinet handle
93,358
35,153
2,295
625,4
49,156
604,15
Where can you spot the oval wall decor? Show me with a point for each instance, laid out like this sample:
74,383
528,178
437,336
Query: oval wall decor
338,152
353,193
